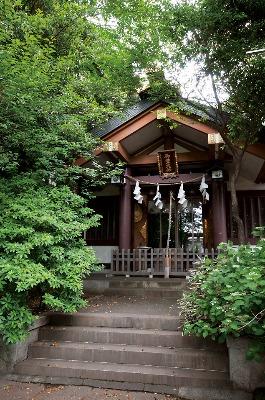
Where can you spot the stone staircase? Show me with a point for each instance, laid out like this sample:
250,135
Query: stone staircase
129,351
136,286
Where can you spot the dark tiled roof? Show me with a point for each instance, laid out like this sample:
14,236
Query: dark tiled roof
200,110
207,113
126,116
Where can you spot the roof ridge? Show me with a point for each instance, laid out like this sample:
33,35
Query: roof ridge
129,113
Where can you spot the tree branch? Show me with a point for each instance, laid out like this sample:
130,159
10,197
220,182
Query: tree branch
256,317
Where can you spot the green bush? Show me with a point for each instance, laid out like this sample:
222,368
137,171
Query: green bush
227,295
42,253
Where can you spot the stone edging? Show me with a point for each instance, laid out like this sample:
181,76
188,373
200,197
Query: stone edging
41,321
245,374
14,353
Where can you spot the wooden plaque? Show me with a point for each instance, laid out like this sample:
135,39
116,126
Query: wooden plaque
168,163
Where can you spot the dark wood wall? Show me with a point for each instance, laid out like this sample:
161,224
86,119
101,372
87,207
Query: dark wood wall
107,234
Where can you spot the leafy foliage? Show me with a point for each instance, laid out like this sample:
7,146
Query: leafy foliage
62,72
226,295
216,34
41,248
61,75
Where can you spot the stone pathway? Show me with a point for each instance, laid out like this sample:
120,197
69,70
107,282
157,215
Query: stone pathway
33,391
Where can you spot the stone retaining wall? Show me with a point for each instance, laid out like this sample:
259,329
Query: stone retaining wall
245,374
13,353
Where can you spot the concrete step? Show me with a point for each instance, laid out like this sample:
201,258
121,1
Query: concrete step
148,283
102,276
161,293
137,374
129,354
139,337
116,320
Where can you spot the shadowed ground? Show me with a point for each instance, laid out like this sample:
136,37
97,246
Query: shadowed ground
34,391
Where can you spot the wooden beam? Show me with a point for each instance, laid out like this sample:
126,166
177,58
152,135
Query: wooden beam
192,123
122,153
144,119
192,156
257,149
168,136
144,159
212,152
261,175
114,148
152,110
154,179
135,126
189,144
177,139
149,147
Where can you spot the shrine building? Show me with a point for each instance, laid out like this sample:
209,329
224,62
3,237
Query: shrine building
144,212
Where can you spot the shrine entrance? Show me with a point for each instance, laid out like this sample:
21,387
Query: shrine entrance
186,225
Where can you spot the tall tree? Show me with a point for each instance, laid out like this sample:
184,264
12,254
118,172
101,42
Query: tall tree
62,71
218,34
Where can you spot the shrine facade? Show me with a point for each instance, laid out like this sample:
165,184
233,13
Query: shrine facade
141,139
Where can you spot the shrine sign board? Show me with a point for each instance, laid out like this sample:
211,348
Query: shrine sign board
168,163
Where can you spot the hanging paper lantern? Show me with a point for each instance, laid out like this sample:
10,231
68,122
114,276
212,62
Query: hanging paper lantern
137,193
203,190
157,199
181,196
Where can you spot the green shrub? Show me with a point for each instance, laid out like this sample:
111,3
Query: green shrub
227,295
41,251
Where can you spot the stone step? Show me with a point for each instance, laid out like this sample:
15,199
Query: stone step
148,283
116,320
161,293
129,354
137,374
102,277
139,337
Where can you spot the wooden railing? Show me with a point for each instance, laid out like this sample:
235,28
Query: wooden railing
152,261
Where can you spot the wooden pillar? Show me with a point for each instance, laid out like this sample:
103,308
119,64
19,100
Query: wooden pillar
169,143
219,213
125,226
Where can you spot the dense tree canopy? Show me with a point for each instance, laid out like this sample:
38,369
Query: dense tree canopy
218,35
62,71
60,75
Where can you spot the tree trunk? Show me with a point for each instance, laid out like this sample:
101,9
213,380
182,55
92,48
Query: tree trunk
235,209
